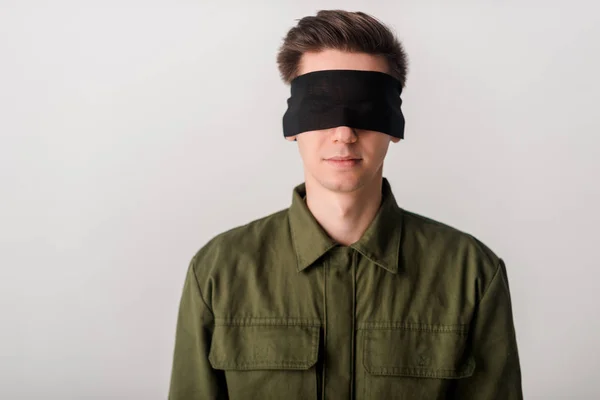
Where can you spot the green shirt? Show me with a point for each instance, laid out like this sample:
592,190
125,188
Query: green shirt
415,309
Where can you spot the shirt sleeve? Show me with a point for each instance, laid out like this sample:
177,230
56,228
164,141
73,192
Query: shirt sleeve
192,376
493,345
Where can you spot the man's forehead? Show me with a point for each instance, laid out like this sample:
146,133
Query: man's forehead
339,59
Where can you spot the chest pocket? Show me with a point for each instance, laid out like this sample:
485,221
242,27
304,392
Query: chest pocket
414,362
267,361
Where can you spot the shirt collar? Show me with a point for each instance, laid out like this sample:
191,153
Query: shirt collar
380,243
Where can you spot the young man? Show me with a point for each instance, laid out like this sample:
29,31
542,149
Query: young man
345,295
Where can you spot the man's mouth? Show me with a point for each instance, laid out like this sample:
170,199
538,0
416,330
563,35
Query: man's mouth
343,161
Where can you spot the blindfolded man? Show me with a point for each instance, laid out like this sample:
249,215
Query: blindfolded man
345,295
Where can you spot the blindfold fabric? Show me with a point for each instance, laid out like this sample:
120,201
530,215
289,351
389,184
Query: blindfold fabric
359,99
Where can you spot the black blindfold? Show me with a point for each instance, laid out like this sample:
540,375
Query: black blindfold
358,99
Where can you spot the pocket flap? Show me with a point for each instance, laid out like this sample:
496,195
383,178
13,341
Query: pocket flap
419,352
248,347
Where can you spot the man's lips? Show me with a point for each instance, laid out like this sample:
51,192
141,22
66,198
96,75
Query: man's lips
344,158
343,162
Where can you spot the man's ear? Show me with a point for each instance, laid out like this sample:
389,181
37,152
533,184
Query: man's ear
395,139
291,138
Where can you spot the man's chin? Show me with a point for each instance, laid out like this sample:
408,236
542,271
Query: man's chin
342,184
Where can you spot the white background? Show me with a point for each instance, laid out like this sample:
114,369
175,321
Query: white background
132,132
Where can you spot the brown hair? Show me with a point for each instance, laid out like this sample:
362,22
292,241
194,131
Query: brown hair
345,31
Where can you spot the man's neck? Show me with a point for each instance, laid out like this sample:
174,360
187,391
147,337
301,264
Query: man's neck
344,216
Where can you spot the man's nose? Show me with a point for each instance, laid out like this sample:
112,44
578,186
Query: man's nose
344,134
